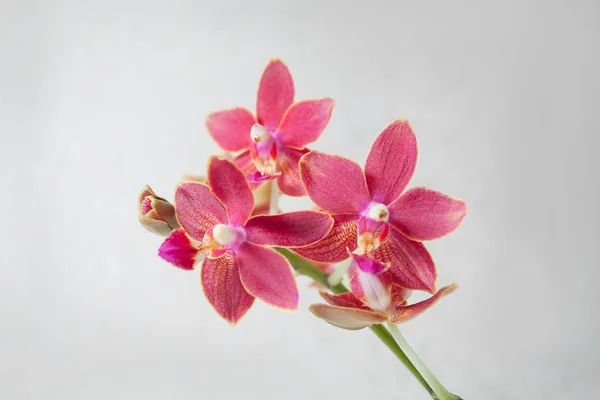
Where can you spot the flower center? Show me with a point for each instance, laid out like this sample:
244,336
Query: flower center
221,238
372,227
263,149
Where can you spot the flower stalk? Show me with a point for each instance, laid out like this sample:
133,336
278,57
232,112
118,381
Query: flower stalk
392,338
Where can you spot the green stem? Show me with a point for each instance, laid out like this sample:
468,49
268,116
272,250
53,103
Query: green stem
439,391
306,268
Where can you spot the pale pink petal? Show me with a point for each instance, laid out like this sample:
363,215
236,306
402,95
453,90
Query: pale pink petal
222,286
404,313
304,122
346,318
348,300
375,291
198,209
179,250
292,229
268,276
391,162
411,264
334,183
275,94
333,247
424,214
245,163
287,163
231,128
230,186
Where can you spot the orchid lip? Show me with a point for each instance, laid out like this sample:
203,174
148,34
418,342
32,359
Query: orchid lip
221,238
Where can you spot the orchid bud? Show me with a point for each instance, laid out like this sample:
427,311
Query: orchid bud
156,214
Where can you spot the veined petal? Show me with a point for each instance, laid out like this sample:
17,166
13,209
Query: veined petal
275,94
334,183
348,300
391,162
424,214
293,229
404,313
230,186
287,163
411,264
268,276
198,209
304,121
245,163
179,250
332,248
346,318
231,128
221,283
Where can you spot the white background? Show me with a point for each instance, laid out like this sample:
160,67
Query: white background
98,98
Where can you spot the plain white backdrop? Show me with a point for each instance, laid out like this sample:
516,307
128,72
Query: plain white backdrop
98,98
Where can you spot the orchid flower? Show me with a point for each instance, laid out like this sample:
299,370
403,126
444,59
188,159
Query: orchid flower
373,214
272,143
373,299
237,265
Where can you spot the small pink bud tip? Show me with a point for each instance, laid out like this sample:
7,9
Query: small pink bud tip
146,206
259,177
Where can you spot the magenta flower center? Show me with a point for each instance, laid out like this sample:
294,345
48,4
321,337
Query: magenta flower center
221,238
263,149
372,227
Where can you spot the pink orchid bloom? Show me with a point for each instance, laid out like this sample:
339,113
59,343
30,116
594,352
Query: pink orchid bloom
373,299
372,214
238,267
272,143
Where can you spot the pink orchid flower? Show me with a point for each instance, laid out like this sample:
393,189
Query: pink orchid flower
373,299
372,214
272,143
238,267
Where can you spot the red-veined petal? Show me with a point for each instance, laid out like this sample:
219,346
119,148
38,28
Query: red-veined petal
198,209
179,250
334,183
300,228
287,163
404,313
268,276
332,248
346,318
391,162
424,214
304,121
348,300
411,264
230,186
231,128
275,94
221,283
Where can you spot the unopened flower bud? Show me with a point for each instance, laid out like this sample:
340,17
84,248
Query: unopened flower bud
156,214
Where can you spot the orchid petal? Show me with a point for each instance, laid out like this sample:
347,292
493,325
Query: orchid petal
348,300
424,214
231,128
367,264
245,163
230,186
373,290
221,283
275,94
292,229
346,318
334,183
287,163
404,313
268,276
179,250
333,247
304,122
198,209
411,264
391,162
